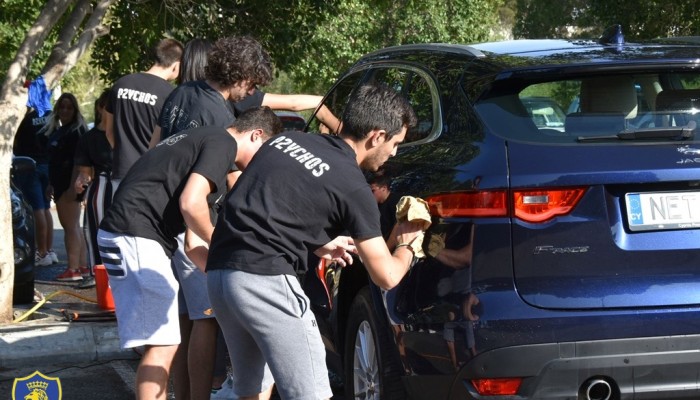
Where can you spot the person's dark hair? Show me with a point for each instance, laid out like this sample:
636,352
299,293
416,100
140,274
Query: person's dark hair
238,58
167,52
376,106
258,118
100,102
380,180
194,60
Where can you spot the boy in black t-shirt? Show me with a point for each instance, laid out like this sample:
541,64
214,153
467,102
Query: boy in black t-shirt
299,193
134,105
166,191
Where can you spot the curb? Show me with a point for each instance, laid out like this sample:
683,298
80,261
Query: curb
27,345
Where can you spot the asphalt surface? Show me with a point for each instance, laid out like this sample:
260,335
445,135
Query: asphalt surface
82,352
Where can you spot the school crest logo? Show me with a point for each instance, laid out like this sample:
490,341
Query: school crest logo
36,386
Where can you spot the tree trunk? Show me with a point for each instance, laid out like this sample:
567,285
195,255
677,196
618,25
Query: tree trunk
69,30
13,97
64,60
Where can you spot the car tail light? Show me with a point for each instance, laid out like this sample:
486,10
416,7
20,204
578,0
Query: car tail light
469,204
543,205
497,387
532,205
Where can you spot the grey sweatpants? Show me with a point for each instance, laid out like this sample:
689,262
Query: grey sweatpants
271,334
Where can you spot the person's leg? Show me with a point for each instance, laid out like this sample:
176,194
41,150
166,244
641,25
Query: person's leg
153,372
252,378
30,186
42,176
144,317
200,358
301,372
49,229
180,375
260,305
40,227
202,342
220,361
69,216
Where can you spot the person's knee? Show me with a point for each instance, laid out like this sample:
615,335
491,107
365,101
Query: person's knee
160,355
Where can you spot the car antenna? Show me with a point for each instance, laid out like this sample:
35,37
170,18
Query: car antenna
613,35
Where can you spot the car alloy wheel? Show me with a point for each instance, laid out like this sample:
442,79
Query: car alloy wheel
366,370
372,371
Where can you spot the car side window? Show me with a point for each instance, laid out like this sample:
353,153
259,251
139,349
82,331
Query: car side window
410,83
414,86
336,99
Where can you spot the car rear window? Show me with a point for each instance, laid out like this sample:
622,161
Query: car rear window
615,108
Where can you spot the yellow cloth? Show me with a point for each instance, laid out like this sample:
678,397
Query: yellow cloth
414,209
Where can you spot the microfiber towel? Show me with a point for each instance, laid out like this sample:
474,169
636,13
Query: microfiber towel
414,209
39,96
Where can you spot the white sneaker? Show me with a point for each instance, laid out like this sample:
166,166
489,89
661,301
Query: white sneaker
44,261
54,257
226,392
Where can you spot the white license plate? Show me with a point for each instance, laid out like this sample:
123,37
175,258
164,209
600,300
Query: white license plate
663,210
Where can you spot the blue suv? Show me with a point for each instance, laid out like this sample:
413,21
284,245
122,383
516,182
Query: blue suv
563,262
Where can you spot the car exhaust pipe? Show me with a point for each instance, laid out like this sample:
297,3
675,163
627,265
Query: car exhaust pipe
597,389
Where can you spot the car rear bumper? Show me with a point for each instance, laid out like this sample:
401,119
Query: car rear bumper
665,367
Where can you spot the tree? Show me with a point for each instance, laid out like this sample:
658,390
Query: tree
640,19
358,27
80,28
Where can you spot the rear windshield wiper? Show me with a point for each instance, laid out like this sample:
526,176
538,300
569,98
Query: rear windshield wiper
670,132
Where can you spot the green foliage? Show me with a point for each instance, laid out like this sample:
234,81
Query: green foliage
640,19
84,81
647,19
280,26
540,19
359,27
311,40
16,17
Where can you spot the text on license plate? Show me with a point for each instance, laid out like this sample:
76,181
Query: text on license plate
663,210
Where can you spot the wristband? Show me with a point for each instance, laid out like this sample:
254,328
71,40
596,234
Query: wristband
408,245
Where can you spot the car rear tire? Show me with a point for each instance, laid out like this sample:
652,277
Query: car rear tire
371,373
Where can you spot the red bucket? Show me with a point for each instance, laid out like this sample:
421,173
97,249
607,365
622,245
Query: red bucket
104,293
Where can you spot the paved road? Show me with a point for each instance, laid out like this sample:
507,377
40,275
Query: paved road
106,380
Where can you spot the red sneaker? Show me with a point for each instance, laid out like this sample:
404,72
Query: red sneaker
69,275
84,272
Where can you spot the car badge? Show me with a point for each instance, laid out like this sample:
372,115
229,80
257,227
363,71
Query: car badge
688,150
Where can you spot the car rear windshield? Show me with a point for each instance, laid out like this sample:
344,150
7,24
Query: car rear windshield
615,108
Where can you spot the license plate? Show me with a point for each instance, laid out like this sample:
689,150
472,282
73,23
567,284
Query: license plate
663,210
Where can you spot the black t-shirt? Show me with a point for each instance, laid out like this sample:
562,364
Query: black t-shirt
194,104
146,203
135,101
27,142
250,101
299,192
61,150
94,151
